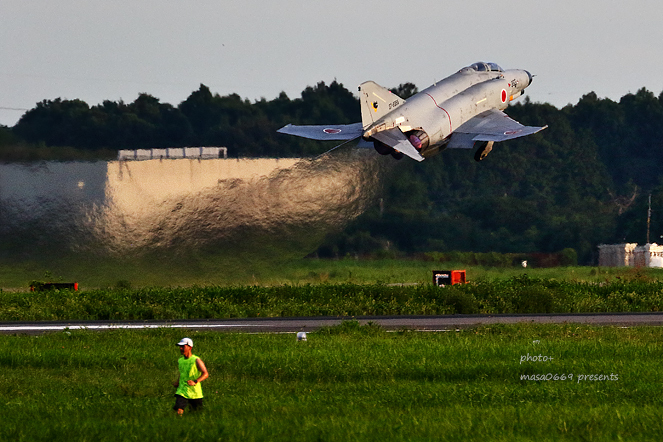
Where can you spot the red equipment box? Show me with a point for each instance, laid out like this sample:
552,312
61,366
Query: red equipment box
443,278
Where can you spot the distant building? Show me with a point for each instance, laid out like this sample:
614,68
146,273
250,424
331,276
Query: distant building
630,255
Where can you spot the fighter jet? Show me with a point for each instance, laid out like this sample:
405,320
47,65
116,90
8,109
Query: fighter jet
462,111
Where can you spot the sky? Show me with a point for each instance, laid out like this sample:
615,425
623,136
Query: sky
97,50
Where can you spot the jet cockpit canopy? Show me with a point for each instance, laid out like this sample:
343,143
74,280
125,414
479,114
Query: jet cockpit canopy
485,67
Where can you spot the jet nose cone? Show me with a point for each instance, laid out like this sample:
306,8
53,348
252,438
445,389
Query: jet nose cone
530,76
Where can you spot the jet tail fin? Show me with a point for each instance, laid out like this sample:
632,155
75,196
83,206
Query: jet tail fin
376,102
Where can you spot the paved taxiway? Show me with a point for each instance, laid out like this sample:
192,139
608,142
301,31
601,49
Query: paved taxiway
291,325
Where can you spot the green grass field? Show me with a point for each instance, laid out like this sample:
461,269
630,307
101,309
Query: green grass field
521,294
173,271
347,383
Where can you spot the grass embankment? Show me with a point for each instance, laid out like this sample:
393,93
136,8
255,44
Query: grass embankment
345,383
515,295
164,271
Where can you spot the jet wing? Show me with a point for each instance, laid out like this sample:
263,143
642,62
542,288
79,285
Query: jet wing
491,125
396,139
328,132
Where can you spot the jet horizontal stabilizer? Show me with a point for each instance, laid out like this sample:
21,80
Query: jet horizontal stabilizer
326,132
395,139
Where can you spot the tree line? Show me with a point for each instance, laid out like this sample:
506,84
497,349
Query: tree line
203,119
583,181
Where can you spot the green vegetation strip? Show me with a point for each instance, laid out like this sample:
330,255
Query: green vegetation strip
345,383
514,295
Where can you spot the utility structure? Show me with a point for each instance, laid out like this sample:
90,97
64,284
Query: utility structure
648,218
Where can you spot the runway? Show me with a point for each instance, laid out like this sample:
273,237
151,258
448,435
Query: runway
310,324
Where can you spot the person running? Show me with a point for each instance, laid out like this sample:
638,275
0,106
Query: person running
192,372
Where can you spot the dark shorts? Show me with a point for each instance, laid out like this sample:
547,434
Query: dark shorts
181,402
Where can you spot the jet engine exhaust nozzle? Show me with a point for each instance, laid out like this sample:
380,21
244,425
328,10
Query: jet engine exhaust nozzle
419,139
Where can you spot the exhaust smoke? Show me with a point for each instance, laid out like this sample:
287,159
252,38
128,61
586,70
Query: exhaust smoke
118,208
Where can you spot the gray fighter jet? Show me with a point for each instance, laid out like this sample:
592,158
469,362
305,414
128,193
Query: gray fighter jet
460,112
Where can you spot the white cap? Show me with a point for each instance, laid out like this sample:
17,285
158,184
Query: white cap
186,341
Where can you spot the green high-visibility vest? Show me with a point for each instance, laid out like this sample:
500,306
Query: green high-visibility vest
189,372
